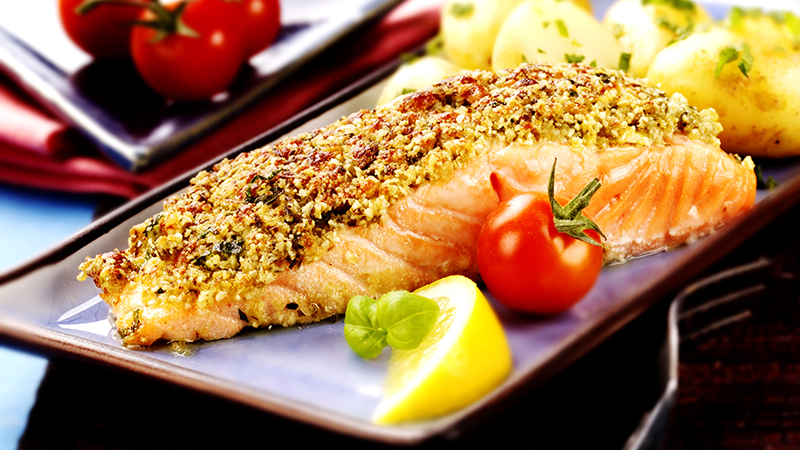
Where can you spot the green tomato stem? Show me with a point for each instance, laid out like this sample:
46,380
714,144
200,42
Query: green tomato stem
569,219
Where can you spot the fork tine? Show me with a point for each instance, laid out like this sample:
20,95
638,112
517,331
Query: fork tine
678,315
717,325
726,274
651,432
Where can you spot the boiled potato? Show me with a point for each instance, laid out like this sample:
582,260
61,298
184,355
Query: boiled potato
643,29
469,29
762,29
556,32
759,112
415,75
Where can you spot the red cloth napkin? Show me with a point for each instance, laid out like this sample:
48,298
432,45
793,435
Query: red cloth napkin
39,151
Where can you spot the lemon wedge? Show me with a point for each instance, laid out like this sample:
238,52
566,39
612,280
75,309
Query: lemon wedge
461,360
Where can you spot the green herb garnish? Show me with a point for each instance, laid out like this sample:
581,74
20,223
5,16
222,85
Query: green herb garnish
462,9
735,18
624,61
137,317
266,198
769,183
562,28
152,230
400,319
435,45
730,54
680,32
793,24
619,30
229,248
746,62
685,5
574,58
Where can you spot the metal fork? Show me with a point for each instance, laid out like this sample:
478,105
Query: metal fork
702,307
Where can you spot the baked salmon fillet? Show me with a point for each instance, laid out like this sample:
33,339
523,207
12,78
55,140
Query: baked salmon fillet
394,198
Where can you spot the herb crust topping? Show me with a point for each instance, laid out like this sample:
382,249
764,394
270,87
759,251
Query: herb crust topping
267,210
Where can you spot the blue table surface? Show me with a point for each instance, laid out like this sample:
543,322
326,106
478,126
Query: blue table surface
31,222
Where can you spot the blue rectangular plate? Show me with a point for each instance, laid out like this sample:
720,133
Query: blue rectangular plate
308,373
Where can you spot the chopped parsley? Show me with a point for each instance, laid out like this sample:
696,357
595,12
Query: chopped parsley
266,198
769,183
619,30
685,5
681,32
574,58
730,54
746,63
435,45
462,9
793,24
735,17
233,247
562,28
624,61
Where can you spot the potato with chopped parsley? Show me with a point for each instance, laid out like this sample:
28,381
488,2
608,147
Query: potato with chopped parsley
644,27
751,83
417,74
469,28
556,32
766,29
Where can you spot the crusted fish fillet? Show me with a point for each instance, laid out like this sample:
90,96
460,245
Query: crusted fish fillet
394,199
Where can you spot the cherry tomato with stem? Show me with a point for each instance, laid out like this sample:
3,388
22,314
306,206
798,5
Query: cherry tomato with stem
101,29
190,50
537,256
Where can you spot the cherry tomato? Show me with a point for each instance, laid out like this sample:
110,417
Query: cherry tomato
527,264
261,23
190,67
103,31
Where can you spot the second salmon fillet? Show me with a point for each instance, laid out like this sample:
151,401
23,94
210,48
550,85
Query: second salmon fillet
394,199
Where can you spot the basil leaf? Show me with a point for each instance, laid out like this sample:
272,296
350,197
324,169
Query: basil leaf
361,327
407,318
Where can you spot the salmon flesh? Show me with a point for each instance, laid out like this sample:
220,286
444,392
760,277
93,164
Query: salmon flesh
394,198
